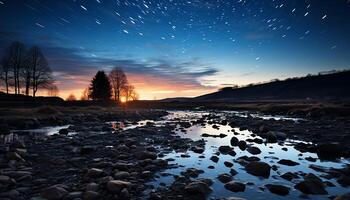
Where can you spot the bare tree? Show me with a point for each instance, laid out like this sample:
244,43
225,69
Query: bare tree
130,93
52,91
118,82
41,72
15,56
5,72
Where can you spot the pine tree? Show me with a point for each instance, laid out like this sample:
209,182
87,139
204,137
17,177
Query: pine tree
100,87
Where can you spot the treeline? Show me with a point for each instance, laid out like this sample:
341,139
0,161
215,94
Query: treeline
25,71
114,86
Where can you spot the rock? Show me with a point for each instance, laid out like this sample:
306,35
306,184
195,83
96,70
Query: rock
234,198
329,151
224,178
343,197
87,149
115,186
344,180
121,175
254,150
197,149
225,149
234,141
14,156
74,195
287,162
123,148
92,187
242,145
311,185
198,187
91,195
192,172
278,189
258,168
311,159
233,172
124,194
142,155
63,131
235,186
54,193
289,176
228,164
94,173
214,159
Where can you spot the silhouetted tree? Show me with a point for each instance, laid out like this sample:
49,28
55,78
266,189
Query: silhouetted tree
15,57
130,93
52,91
71,97
85,95
118,81
5,72
100,87
39,67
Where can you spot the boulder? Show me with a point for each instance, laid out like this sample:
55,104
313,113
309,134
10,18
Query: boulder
55,192
214,159
254,150
311,185
278,189
235,186
225,149
258,168
198,187
116,186
287,162
234,141
224,178
142,155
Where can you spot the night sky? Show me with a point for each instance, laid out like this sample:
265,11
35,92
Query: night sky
181,48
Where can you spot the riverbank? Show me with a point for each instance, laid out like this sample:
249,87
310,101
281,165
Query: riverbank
172,155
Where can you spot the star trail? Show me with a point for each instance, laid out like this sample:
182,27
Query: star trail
191,47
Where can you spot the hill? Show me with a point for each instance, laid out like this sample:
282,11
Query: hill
334,86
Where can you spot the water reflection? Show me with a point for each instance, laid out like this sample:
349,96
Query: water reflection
270,153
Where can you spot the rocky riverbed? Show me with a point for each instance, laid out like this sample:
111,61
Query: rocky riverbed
179,155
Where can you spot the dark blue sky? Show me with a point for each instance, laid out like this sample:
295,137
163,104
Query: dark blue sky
190,47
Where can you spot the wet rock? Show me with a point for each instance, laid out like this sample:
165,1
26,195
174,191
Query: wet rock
235,186
234,198
311,159
63,131
91,195
258,168
254,150
74,195
278,189
122,175
197,149
225,149
233,172
94,173
115,186
142,155
87,149
192,172
214,159
242,145
234,141
343,197
228,164
123,148
289,176
263,129
224,178
329,151
311,185
198,188
55,192
287,162
344,180
92,187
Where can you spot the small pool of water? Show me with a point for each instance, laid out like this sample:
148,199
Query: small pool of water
270,153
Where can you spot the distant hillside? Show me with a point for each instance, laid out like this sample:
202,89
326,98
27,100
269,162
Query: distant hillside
335,86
